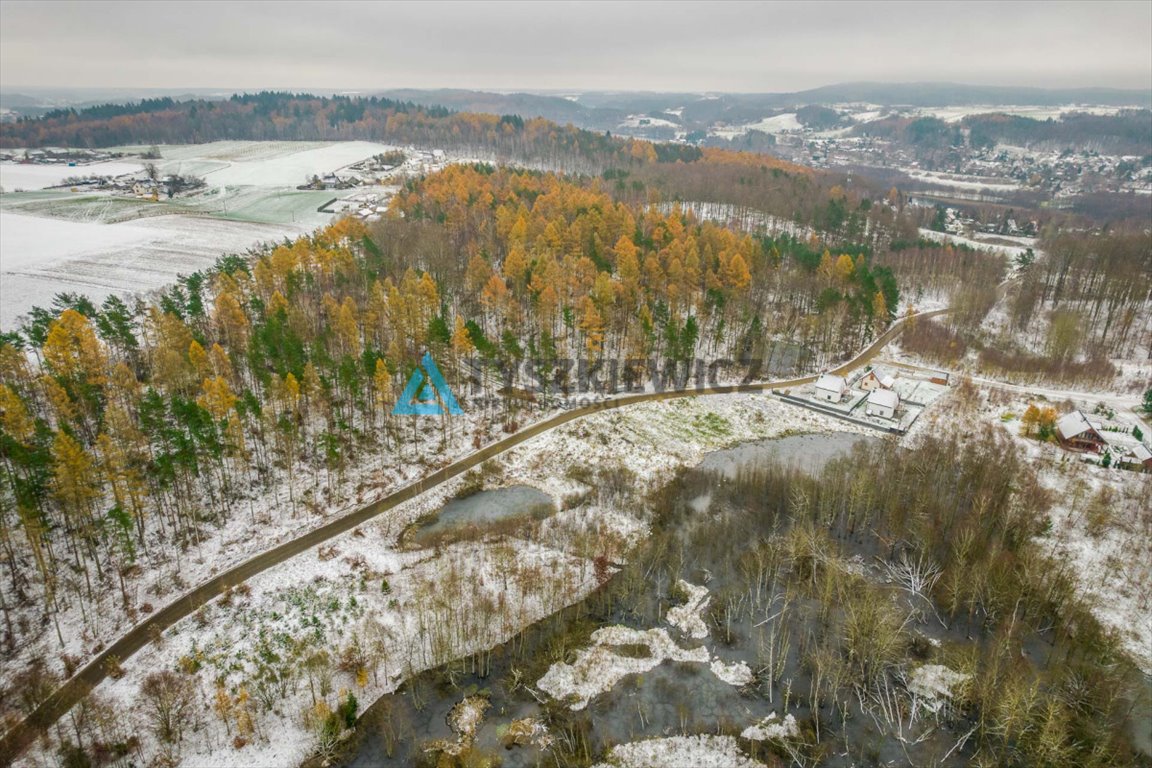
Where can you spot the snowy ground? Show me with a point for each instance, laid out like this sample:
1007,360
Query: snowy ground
600,667
922,301
943,237
16,177
956,114
99,244
40,257
336,590
265,164
702,751
784,123
747,219
959,181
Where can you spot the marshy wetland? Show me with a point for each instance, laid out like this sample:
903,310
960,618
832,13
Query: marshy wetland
820,599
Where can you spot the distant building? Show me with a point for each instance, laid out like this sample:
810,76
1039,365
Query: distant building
882,403
830,388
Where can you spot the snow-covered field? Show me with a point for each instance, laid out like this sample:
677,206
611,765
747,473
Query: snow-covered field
16,176
644,121
747,219
785,123
100,244
265,167
40,257
974,183
955,114
777,124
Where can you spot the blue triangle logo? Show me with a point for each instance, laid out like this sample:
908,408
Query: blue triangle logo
427,394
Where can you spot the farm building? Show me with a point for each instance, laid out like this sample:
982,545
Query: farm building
830,388
1077,433
882,403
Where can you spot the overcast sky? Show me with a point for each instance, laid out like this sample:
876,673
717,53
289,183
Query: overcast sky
670,46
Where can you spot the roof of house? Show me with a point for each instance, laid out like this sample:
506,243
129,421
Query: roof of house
831,382
1126,445
1140,453
885,398
1072,424
885,378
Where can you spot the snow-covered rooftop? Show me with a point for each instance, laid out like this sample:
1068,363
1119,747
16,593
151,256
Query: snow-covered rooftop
885,398
831,382
1126,445
1072,424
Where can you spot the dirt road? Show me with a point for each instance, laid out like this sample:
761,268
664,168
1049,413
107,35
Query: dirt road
17,739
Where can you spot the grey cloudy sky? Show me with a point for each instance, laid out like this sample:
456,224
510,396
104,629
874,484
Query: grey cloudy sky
695,46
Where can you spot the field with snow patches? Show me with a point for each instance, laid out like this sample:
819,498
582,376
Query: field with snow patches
99,244
15,177
500,585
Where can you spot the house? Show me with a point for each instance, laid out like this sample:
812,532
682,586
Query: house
1132,456
1076,433
882,403
1126,449
830,388
876,379
144,188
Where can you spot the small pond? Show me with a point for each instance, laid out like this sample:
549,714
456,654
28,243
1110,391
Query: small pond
807,452
486,508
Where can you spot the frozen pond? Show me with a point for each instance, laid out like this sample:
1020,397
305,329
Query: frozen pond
807,452
485,508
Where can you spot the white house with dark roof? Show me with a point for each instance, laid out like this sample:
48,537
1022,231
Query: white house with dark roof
830,388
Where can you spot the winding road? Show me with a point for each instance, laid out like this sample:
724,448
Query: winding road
20,736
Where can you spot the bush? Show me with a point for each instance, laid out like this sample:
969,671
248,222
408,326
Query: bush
113,668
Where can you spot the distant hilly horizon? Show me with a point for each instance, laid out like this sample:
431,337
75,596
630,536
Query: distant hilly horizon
688,111
910,93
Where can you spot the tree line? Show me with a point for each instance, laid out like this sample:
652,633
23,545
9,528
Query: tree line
276,116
